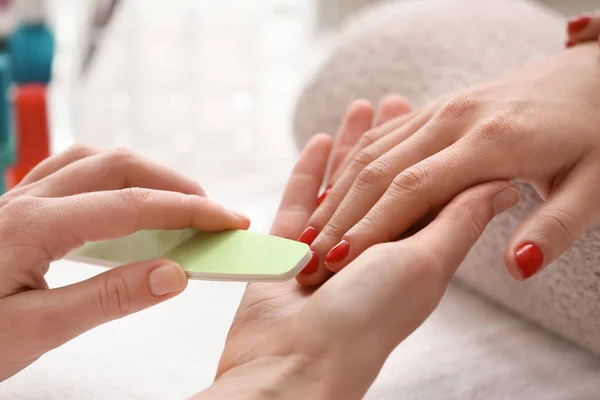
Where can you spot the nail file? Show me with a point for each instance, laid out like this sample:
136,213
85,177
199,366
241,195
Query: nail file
237,256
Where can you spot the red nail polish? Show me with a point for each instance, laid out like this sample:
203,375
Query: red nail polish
569,43
308,236
529,259
338,253
579,23
312,266
322,197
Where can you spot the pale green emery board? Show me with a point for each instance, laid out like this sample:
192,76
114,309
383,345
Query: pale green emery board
224,256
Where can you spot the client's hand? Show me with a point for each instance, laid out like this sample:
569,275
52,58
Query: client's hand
540,125
292,342
85,195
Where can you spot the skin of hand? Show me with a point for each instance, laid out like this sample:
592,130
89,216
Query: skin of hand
289,341
583,28
87,195
539,125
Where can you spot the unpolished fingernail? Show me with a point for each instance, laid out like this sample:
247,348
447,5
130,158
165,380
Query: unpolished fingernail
506,199
240,215
167,279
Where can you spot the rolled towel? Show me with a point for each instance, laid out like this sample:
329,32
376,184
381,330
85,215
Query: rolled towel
423,50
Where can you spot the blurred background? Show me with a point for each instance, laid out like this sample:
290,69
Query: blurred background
207,87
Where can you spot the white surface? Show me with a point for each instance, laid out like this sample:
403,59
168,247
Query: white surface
32,11
208,88
468,349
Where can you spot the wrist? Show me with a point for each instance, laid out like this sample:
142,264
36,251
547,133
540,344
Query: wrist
287,377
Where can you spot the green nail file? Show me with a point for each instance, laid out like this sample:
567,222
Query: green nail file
239,256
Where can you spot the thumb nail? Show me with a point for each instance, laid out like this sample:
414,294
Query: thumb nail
506,199
167,279
240,215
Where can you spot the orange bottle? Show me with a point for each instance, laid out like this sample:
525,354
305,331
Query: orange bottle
33,138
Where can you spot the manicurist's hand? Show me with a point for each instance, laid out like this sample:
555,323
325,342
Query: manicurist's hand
288,341
86,195
539,125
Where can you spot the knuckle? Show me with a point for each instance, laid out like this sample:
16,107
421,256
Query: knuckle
362,159
370,137
23,208
473,218
136,196
114,296
80,150
373,174
410,180
335,228
121,156
459,106
560,221
495,128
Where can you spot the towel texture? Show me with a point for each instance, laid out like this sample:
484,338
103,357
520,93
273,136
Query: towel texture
425,49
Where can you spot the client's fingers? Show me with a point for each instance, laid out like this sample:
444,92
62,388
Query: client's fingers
550,230
357,120
415,192
298,201
390,107
387,119
375,135
389,290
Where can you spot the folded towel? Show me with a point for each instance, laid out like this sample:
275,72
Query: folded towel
423,50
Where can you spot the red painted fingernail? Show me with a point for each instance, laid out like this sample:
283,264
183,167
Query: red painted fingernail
529,259
338,253
569,43
322,197
578,23
312,266
308,236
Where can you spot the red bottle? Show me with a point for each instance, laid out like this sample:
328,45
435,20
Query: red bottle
33,138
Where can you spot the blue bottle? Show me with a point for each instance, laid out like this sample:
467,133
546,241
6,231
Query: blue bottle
7,135
31,46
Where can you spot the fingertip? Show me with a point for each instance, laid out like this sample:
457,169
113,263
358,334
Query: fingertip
242,220
390,107
318,140
359,112
510,265
313,276
168,278
395,102
359,107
